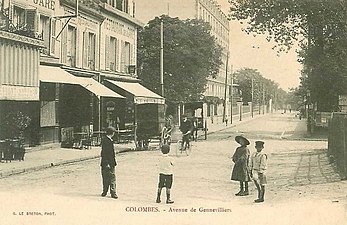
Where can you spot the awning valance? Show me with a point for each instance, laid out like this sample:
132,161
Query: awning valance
141,94
57,75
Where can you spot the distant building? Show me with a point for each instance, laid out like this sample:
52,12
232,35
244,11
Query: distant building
208,11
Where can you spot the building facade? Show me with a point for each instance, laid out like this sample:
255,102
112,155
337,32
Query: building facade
208,11
78,52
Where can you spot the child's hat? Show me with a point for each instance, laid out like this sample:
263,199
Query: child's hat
259,143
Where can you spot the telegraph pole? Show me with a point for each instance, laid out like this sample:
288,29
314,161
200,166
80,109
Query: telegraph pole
225,89
252,84
162,57
263,99
231,98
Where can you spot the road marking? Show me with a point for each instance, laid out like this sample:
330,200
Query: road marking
282,134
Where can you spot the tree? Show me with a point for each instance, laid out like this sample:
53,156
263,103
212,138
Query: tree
263,89
320,28
191,54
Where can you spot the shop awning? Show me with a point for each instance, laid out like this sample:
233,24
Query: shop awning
141,94
57,75
97,88
53,74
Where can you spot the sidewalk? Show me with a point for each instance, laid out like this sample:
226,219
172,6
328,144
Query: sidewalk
43,157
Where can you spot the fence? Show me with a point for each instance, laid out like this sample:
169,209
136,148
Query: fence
337,141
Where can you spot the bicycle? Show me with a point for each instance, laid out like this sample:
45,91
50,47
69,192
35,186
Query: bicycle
184,147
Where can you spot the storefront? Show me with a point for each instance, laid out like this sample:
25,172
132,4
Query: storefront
144,109
70,104
19,87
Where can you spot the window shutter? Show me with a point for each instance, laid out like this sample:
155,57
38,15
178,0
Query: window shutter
85,50
107,52
53,34
123,56
32,19
132,55
116,55
64,46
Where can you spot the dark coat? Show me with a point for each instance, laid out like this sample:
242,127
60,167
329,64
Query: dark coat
240,158
108,156
186,126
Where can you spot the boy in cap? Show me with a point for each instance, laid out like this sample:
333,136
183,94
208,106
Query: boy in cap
258,166
165,174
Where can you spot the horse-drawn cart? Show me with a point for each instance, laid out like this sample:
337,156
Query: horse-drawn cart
195,112
150,120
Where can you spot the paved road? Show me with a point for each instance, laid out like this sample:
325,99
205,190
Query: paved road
303,187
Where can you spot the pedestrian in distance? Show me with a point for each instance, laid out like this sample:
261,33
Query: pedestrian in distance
165,174
240,171
258,165
108,164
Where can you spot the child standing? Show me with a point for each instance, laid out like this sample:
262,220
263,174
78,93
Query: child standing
165,174
240,170
258,167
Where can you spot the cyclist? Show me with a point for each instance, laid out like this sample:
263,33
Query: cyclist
186,128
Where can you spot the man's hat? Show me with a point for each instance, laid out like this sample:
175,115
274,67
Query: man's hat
259,143
239,137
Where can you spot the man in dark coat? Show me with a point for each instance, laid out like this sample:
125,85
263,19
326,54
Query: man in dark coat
108,164
186,128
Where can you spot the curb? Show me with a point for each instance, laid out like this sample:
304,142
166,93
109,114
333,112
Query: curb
234,125
52,164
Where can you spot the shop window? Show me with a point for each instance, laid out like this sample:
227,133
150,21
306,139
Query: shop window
89,50
215,111
71,46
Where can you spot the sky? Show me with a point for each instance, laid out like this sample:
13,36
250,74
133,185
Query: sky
256,52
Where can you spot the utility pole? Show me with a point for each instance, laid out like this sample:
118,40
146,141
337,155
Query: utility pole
263,99
225,89
252,85
231,98
162,57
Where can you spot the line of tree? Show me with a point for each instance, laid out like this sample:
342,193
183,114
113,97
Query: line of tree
191,55
320,29
263,89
